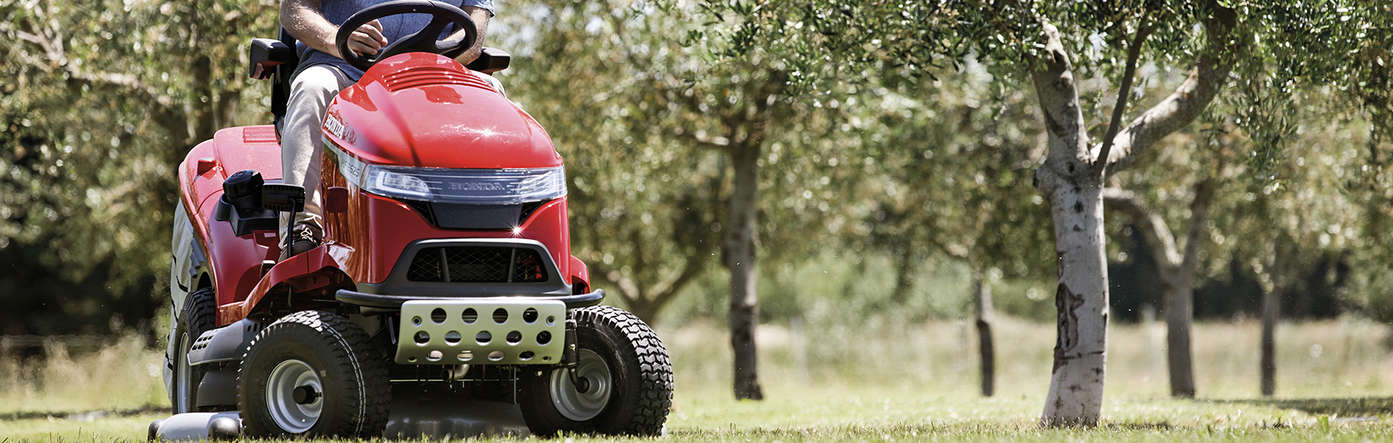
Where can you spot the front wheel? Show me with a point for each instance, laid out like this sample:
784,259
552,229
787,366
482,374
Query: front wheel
622,384
313,373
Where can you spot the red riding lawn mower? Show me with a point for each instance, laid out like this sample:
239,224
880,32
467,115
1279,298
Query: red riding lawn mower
443,296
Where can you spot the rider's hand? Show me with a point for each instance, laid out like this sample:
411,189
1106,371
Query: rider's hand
367,39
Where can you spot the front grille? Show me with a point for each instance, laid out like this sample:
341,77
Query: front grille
475,217
477,264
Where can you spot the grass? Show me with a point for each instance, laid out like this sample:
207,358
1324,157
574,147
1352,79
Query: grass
889,381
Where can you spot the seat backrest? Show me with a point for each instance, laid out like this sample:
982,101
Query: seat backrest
280,85
275,60
491,60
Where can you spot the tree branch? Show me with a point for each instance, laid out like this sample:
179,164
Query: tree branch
1059,104
1206,77
628,290
1123,93
717,143
1152,226
664,292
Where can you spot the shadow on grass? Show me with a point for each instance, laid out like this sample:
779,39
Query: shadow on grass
909,430
83,415
1357,406
1137,426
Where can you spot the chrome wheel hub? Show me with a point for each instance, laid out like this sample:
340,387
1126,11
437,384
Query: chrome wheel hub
294,396
586,397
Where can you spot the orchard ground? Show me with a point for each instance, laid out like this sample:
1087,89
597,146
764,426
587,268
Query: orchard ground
881,381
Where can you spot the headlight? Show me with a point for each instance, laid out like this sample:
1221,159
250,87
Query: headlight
472,186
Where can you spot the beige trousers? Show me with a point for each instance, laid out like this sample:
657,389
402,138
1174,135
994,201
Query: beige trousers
302,140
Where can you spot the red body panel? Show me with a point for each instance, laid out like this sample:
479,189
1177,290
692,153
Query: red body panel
415,109
366,239
396,116
234,262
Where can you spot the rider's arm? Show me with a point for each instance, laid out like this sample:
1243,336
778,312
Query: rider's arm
481,20
304,21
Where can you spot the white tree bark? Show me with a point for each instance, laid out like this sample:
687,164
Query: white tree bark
1076,206
1071,179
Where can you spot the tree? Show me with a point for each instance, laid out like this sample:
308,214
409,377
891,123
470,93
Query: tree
104,101
645,204
646,106
951,152
1177,270
1194,183
1289,218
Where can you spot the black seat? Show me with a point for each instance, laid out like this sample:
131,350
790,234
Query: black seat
491,60
277,60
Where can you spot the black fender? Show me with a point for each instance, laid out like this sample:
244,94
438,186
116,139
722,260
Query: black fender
223,345
220,352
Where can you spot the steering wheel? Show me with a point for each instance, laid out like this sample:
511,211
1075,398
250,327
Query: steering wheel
442,14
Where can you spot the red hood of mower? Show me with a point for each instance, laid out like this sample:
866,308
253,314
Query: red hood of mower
425,110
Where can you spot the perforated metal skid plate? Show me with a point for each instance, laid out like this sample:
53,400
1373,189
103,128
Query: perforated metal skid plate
503,331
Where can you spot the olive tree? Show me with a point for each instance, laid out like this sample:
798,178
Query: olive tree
668,154
950,152
102,100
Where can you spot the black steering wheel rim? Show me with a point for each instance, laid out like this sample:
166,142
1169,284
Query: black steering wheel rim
424,40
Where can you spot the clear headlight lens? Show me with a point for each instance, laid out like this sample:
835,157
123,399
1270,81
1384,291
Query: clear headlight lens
472,186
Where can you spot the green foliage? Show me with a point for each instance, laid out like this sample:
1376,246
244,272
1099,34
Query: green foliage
954,156
101,103
647,126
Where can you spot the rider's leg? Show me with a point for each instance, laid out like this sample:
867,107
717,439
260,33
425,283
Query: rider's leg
301,140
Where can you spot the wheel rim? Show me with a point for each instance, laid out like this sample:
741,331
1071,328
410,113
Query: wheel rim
291,415
570,401
182,384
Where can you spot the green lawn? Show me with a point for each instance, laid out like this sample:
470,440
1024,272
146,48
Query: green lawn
887,382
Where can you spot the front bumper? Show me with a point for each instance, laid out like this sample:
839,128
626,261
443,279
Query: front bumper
395,301
496,330
490,330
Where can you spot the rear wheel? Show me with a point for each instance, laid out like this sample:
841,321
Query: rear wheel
622,383
313,373
195,318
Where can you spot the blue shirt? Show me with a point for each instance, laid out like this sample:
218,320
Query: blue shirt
394,27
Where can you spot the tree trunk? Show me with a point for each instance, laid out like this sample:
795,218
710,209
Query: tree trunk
987,353
204,119
1074,192
904,273
1081,302
1178,290
1268,359
1177,274
740,260
644,309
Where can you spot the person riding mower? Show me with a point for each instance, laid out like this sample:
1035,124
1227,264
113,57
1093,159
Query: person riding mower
442,274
